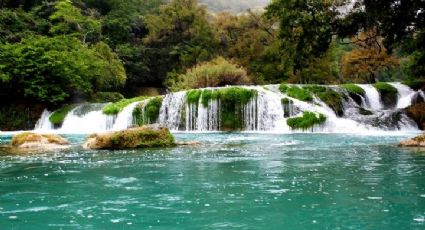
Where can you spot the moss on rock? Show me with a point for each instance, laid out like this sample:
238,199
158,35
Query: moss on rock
307,121
59,115
115,108
102,97
150,136
416,84
388,93
149,113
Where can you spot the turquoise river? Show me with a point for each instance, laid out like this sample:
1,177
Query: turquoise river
231,181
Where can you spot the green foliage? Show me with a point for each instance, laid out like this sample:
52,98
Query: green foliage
307,121
53,69
59,115
115,108
218,72
305,29
148,113
102,97
283,88
354,89
182,34
232,101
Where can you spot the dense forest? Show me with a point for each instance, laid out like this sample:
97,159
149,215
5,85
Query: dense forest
54,52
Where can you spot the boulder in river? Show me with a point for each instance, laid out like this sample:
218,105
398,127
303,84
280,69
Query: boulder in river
30,142
148,136
414,142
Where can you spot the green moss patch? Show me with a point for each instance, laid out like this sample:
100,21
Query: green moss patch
59,115
149,113
416,84
193,96
307,121
354,89
333,99
142,137
388,93
115,108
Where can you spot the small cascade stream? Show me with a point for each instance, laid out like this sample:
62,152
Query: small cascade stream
269,110
373,99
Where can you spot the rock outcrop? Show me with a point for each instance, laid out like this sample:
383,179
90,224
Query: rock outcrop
414,142
148,136
38,142
417,113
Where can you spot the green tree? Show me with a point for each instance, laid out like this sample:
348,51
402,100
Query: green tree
182,35
55,69
306,29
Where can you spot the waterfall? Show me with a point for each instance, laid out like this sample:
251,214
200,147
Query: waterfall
405,95
87,118
170,114
124,118
44,124
268,110
373,99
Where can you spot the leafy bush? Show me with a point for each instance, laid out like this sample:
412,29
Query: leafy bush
59,115
218,72
307,121
115,108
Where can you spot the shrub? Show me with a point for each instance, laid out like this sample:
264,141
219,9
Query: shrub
307,121
218,72
59,115
115,108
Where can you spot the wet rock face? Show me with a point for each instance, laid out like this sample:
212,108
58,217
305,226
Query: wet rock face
33,142
148,136
417,113
414,142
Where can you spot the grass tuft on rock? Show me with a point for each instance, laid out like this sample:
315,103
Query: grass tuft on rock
115,108
307,121
59,115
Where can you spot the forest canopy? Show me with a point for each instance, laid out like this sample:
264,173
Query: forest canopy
57,51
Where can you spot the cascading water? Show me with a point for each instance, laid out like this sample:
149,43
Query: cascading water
373,99
43,124
268,110
405,95
124,119
86,118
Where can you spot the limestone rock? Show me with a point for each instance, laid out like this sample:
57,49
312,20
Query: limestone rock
414,142
148,136
38,142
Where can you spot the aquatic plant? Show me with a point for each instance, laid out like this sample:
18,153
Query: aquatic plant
307,121
59,115
115,108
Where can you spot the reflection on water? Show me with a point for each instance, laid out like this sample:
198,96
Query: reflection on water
244,181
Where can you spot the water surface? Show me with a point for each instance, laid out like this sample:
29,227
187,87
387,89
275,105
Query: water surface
231,181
